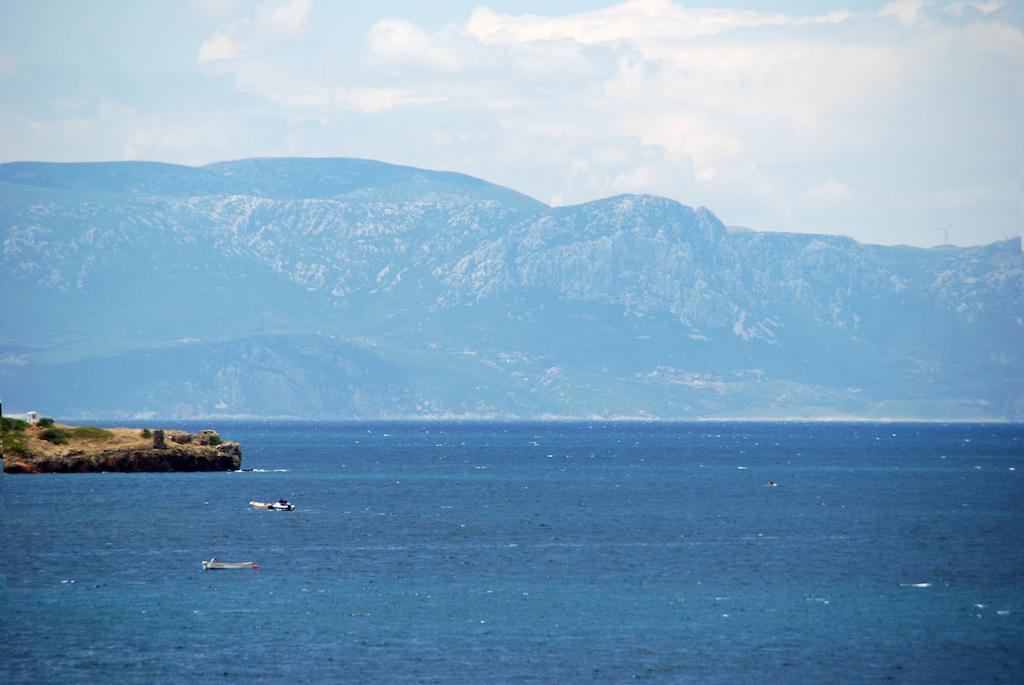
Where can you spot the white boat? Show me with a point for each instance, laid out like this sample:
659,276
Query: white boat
279,505
213,565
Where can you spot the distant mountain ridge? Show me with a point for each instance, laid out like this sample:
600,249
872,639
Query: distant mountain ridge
341,288
277,178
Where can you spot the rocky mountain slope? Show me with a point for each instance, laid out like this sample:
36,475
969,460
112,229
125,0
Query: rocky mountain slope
354,289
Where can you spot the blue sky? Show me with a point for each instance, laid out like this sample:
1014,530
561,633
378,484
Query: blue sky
882,121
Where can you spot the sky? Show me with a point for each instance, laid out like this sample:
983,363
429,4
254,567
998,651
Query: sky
891,122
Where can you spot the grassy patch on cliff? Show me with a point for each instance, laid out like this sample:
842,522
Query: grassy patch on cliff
55,436
91,434
15,442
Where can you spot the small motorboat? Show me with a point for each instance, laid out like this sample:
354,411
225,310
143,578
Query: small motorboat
213,565
279,505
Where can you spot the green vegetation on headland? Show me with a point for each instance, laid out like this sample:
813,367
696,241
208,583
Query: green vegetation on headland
54,435
15,441
91,433
17,432
8,425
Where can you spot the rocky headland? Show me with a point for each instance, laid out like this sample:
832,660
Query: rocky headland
59,448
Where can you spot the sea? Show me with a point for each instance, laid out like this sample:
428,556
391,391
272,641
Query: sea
583,552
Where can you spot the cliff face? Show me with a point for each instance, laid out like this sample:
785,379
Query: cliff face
122,450
224,457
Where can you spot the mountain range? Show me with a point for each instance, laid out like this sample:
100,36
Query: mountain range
345,289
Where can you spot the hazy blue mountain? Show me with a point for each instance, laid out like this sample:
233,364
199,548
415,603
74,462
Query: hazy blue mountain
351,288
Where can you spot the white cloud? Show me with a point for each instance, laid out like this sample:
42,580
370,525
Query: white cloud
216,9
907,11
402,43
830,193
610,166
912,11
636,20
957,9
288,17
219,46
1005,40
380,99
249,35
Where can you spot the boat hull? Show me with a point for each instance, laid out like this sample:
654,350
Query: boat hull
227,565
272,506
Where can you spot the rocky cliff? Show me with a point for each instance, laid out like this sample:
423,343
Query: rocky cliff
85,449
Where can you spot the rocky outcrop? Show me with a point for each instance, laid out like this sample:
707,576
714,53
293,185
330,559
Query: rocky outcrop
197,454
203,437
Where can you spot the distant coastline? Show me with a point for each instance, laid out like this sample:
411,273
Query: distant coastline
133,423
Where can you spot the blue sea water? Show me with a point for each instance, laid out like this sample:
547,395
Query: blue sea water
533,553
